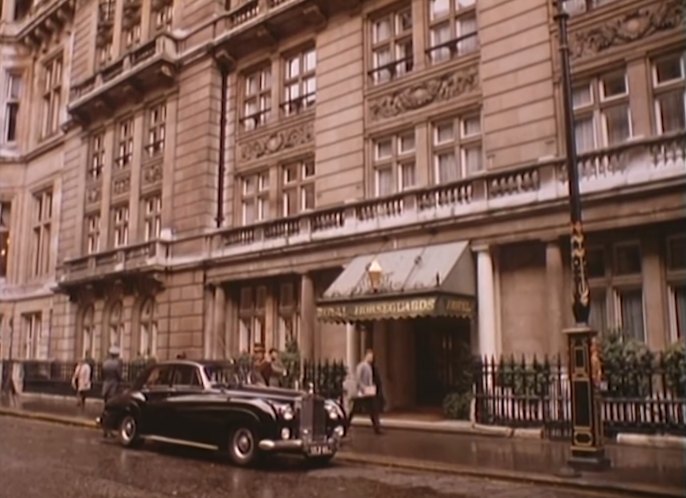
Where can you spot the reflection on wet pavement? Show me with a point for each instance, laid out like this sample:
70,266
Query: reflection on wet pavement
42,460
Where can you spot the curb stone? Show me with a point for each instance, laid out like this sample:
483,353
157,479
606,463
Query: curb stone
419,465
671,442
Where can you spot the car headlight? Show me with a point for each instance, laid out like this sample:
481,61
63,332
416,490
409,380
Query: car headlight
333,411
285,412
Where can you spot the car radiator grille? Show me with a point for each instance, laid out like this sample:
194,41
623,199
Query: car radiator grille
313,418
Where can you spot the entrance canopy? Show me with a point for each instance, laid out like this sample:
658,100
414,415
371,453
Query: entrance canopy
434,280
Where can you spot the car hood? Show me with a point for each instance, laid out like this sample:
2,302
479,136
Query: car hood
267,393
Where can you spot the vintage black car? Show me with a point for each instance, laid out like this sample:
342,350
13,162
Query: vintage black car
212,405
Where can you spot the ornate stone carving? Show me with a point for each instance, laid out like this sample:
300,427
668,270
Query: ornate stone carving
629,27
440,88
277,141
121,185
152,172
93,193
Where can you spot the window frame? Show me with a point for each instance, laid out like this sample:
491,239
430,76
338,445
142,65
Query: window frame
156,130
456,40
13,92
458,144
676,279
300,184
398,38
291,106
260,196
32,334
398,159
162,17
124,143
92,225
599,107
120,227
52,83
152,218
262,97
42,232
148,328
5,207
96,156
661,89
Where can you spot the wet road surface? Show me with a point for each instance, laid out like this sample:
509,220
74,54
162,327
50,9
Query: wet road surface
44,460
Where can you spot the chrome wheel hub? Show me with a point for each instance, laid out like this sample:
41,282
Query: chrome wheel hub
243,443
128,429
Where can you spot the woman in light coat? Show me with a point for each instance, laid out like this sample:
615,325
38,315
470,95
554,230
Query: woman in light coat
81,382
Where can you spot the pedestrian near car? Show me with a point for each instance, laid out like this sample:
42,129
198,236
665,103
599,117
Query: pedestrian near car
367,392
111,376
81,382
277,370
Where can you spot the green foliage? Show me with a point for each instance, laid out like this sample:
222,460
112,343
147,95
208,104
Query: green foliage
291,360
533,379
457,405
674,362
628,365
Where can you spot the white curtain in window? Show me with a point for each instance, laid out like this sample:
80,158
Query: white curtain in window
631,303
617,124
680,310
671,109
583,131
472,159
598,317
384,181
447,168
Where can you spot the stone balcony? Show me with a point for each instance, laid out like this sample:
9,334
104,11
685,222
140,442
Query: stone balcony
634,165
136,259
148,66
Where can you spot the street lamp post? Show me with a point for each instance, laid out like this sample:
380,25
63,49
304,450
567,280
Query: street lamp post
587,450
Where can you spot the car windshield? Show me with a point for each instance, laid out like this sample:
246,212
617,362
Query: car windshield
232,375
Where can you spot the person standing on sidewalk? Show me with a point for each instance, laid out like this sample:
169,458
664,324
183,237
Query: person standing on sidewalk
277,371
81,382
111,376
367,395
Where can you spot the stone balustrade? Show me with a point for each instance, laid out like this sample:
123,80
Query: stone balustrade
634,164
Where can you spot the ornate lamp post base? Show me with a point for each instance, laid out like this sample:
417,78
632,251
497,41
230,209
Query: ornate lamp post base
584,375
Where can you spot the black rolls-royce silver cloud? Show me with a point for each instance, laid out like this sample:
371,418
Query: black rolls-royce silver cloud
211,405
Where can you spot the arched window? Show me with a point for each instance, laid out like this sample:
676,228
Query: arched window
88,332
148,328
116,325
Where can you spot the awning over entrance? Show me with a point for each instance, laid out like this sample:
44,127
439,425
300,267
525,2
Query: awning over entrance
435,280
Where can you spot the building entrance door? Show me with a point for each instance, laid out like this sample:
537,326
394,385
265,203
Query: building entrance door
442,349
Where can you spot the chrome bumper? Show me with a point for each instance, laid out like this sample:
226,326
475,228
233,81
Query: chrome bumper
298,445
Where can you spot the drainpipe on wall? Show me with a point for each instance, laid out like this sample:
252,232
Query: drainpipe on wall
222,144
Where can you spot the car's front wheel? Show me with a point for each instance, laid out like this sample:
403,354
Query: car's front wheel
127,433
243,446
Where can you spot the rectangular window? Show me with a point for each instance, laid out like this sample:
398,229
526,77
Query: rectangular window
4,237
627,259
157,116
630,313
162,15
42,225
598,317
252,317
92,233
297,187
300,84
394,163
120,226
601,112
52,96
453,30
255,197
13,94
574,7
97,156
152,217
669,87
678,294
33,335
131,24
457,151
257,98
104,37
391,37
124,151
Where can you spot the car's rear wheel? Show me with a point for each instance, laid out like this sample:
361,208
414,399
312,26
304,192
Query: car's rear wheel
243,446
127,432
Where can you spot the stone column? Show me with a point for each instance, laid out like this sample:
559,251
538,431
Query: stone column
219,325
307,317
486,302
231,339
208,312
554,271
655,295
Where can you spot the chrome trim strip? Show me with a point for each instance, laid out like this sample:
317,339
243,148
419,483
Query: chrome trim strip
183,442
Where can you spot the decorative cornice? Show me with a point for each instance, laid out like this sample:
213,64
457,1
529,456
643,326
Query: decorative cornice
277,141
634,25
437,89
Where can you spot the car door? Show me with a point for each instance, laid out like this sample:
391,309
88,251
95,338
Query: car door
156,390
186,408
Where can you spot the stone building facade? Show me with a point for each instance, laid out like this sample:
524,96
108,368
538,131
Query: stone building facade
201,176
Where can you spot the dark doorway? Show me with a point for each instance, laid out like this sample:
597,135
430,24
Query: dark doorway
442,348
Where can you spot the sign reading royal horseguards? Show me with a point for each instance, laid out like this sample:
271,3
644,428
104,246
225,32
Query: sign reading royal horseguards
398,307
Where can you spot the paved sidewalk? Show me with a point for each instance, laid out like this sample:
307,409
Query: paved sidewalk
635,470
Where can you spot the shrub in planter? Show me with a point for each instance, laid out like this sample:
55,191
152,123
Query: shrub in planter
627,365
674,361
457,406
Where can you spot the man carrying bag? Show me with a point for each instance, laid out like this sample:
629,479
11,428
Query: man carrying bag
366,398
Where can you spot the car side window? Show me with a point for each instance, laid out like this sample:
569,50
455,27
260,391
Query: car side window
186,375
159,377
